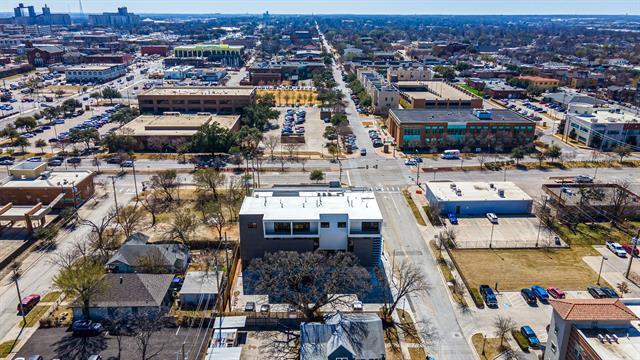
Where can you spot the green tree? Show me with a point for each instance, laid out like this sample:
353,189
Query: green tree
70,105
9,131
26,122
518,154
623,151
83,280
125,114
553,152
22,142
40,143
259,115
540,156
445,72
316,175
114,142
211,138
110,93
86,136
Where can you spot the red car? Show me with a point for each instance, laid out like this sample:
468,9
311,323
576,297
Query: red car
28,303
629,248
556,293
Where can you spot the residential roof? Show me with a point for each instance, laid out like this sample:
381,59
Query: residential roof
200,91
200,282
359,333
164,254
422,116
132,290
592,309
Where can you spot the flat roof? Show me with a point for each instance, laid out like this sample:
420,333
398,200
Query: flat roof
97,67
432,90
199,91
200,282
55,179
477,191
210,47
422,116
310,205
627,347
606,116
176,125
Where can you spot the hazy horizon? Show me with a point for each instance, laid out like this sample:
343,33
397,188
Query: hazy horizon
373,7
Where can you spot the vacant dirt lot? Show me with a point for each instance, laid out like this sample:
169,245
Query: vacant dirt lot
515,269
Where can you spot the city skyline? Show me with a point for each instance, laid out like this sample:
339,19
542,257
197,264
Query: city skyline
401,7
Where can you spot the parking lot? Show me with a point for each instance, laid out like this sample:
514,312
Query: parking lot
614,268
509,232
313,130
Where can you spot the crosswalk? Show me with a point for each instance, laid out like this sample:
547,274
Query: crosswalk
387,188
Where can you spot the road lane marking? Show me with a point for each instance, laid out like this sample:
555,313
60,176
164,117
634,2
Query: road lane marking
348,178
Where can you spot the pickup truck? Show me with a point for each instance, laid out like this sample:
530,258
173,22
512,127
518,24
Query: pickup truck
616,249
488,295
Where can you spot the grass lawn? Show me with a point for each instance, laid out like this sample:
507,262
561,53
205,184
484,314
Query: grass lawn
471,90
407,323
491,347
414,207
518,268
446,272
6,347
417,353
51,297
596,233
34,315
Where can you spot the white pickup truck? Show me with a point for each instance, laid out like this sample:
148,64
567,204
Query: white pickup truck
616,249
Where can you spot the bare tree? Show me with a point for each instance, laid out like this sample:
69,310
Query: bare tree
292,149
182,227
152,263
209,180
233,197
102,236
153,203
407,279
214,216
165,182
309,281
482,158
503,325
130,219
271,143
146,325
623,288
620,201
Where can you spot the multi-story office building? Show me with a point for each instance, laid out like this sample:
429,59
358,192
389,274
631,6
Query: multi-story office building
408,72
435,94
98,73
123,18
384,96
214,100
473,129
230,55
601,128
541,82
311,218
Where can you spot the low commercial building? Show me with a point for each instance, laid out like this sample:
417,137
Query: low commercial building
478,198
308,219
200,289
567,98
274,72
475,130
45,55
229,55
602,128
435,94
541,82
179,72
30,183
596,329
497,89
215,100
94,73
162,50
121,58
166,133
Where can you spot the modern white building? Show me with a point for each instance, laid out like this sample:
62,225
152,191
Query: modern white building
478,198
178,72
602,128
99,73
311,218
595,329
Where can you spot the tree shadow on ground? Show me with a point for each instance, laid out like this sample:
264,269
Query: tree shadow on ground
79,347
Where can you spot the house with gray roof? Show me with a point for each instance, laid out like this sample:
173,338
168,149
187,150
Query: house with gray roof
125,294
136,255
354,336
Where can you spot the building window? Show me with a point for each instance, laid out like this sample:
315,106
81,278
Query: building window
282,227
301,227
342,224
252,225
324,225
371,227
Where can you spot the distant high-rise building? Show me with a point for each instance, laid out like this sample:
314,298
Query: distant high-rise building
123,18
26,15
24,11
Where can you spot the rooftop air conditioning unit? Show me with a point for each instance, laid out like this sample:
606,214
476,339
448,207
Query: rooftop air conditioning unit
501,192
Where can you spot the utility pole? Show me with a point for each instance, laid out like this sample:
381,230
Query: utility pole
635,246
15,275
135,182
115,194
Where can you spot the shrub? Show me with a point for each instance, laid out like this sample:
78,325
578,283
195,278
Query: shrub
433,218
521,340
477,298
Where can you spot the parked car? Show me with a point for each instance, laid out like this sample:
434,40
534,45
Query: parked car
74,160
94,357
28,303
410,162
357,305
113,160
86,327
556,293
616,248
610,292
492,217
54,162
36,357
127,163
488,296
540,293
453,219
35,159
583,179
377,143
596,292
6,162
363,152
530,335
630,250
265,308
250,306
528,296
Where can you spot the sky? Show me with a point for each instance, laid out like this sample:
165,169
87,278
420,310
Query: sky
456,7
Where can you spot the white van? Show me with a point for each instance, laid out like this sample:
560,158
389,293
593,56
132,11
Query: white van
451,154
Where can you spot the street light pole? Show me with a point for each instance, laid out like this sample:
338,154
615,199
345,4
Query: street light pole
635,246
491,239
115,194
135,182
600,271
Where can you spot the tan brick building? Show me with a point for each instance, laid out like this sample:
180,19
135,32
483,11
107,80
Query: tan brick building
218,100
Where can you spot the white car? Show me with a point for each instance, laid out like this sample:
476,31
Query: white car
584,179
492,217
410,162
616,249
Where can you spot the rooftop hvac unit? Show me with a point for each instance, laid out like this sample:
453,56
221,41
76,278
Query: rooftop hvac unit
491,185
601,338
501,192
459,192
453,186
